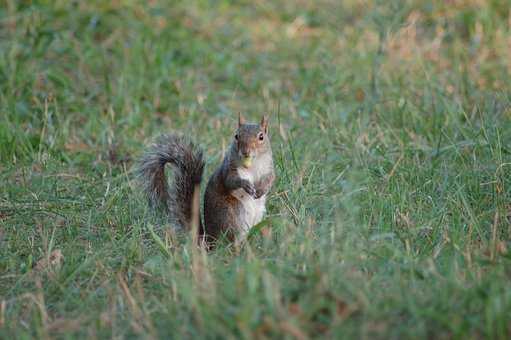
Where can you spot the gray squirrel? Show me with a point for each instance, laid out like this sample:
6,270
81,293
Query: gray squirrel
235,197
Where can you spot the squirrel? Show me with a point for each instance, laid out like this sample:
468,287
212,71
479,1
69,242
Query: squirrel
235,197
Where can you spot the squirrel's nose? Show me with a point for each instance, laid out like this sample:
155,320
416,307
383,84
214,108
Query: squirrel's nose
245,152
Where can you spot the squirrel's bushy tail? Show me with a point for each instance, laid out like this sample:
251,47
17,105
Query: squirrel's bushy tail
188,163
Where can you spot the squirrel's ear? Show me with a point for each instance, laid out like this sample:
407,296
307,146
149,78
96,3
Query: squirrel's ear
264,123
241,120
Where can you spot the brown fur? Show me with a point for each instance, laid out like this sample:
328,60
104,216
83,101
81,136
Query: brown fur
188,165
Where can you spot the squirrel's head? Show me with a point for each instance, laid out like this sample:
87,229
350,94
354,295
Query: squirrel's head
251,141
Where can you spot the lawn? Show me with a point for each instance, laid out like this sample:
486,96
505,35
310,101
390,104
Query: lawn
391,133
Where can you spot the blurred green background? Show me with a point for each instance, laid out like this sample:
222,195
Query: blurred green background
390,125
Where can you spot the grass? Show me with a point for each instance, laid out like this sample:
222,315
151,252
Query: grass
391,132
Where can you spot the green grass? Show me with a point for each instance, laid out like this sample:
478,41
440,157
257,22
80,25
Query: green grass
390,122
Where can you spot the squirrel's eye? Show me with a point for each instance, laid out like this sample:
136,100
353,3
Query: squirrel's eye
260,136
236,136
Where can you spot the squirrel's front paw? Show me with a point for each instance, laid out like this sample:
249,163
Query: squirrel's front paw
259,193
249,188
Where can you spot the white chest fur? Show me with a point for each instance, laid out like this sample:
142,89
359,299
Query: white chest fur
253,209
